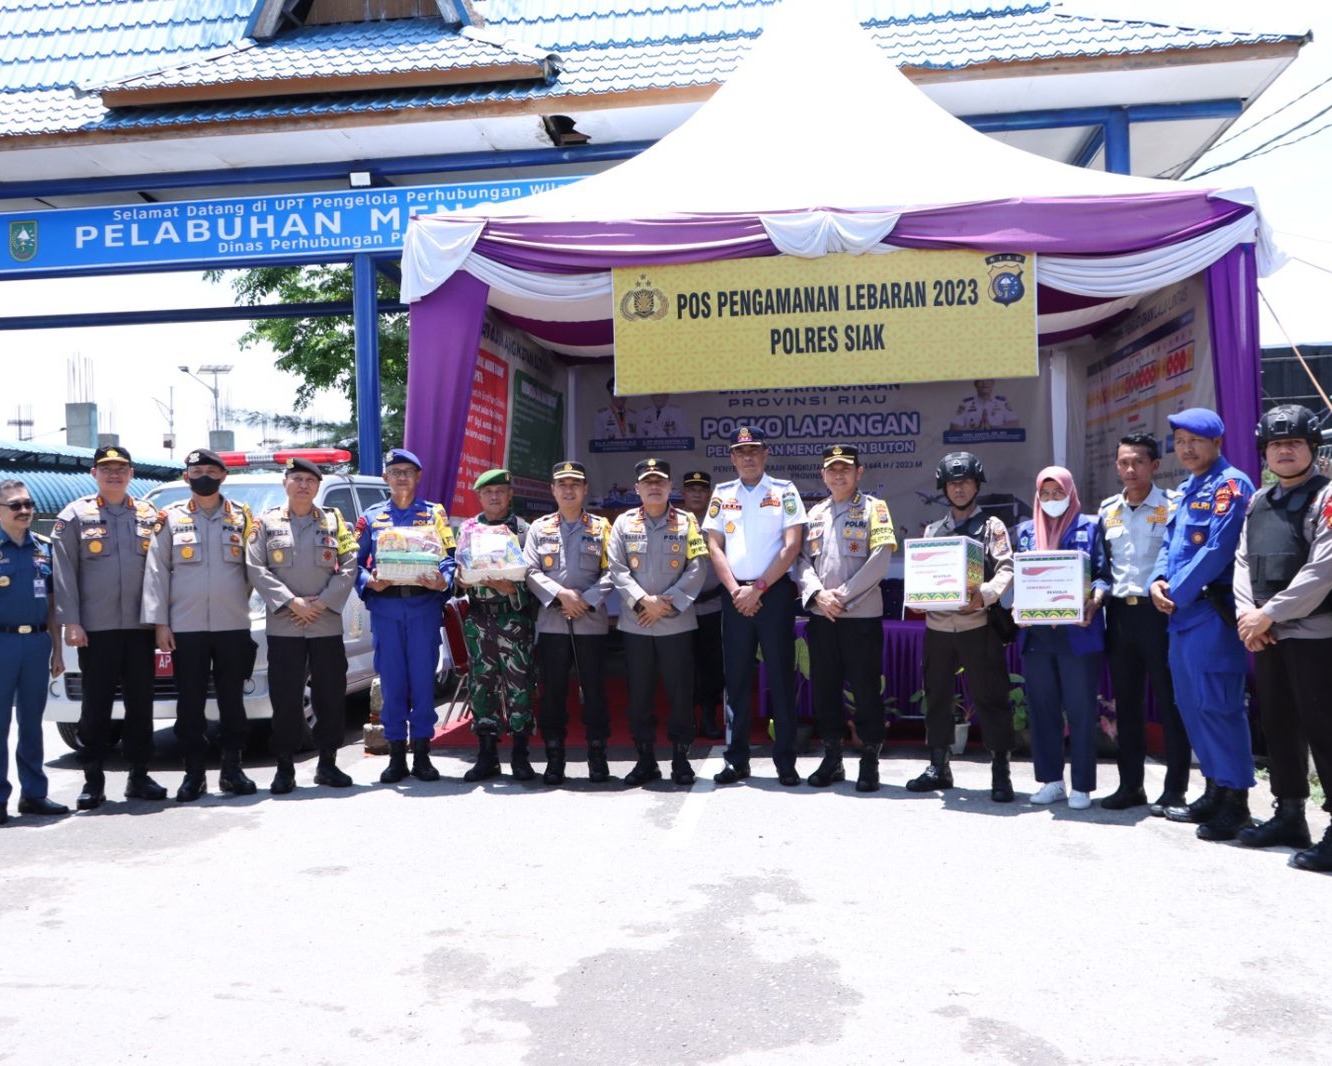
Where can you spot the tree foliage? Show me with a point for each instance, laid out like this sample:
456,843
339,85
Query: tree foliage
320,351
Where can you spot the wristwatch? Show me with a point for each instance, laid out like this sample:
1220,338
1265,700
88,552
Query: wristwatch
761,585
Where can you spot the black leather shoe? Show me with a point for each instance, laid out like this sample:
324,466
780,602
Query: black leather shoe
1203,809
1123,799
1164,802
1232,815
284,780
194,785
328,774
830,769
681,772
645,770
868,779
520,762
555,763
938,775
731,774
422,768
1286,828
1317,858
94,791
41,806
231,778
788,778
139,786
598,769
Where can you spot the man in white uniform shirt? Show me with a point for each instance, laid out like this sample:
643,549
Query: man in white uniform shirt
755,525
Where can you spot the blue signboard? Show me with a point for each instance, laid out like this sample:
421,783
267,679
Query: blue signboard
300,227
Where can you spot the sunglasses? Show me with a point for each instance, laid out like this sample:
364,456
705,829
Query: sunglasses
21,505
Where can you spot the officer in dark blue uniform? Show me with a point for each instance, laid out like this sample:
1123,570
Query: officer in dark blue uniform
405,619
1192,583
29,649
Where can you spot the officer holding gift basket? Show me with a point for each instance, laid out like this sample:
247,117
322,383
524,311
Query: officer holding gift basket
405,600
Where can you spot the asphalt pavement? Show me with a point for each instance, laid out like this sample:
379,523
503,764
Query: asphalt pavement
511,923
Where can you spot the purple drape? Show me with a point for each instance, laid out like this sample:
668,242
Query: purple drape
444,340
1232,305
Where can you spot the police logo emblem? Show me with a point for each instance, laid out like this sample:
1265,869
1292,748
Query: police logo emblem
187,553
644,302
633,563
744,435
1006,284
277,555
548,561
714,508
23,240
291,464
4,582
95,547
730,527
192,458
235,553
1199,537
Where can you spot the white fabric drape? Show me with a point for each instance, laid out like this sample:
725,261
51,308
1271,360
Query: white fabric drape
812,234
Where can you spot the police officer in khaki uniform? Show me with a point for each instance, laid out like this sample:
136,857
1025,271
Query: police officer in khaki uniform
709,672
196,592
302,562
100,544
566,559
656,554
847,550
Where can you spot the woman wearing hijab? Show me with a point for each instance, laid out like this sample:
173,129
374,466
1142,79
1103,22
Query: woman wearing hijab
1062,664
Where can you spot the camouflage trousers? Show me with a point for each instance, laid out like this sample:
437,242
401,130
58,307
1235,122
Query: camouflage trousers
500,681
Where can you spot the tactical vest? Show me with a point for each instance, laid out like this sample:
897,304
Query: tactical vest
1275,538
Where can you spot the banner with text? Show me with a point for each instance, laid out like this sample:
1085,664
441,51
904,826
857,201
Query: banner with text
901,430
785,322
1154,363
516,419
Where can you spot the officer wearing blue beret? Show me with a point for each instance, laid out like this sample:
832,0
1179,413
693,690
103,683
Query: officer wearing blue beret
405,619
29,649
1192,583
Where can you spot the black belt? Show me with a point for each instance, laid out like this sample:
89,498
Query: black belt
24,629
406,591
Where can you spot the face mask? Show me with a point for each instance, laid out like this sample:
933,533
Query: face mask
1055,508
205,486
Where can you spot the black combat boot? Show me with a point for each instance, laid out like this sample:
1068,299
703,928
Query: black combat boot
195,782
94,788
422,768
681,772
1200,810
487,758
1286,828
554,772
231,778
1158,807
139,786
868,778
709,724
1317,858
1232,815
598,769
1001,780
937,775
831,769
327,772
396,769
645,770
519,760
284,779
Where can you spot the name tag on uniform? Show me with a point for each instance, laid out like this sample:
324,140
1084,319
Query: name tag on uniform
38,587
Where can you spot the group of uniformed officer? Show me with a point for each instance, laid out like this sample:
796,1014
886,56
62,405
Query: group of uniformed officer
1183,562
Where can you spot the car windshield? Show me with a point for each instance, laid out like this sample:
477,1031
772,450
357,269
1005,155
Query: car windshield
260,496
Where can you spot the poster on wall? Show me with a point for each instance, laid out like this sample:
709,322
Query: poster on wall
516,419
781,322
902,430
1156,362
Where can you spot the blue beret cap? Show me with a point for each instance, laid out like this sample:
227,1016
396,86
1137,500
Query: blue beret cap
1199,420
402,455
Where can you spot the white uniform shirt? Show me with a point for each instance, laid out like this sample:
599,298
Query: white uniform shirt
1133,537
753,522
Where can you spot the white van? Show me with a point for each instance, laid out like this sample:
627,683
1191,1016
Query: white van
351,494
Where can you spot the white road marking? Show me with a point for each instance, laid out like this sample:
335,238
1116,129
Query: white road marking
691,810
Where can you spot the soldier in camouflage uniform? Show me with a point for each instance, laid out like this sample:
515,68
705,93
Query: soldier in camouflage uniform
498,632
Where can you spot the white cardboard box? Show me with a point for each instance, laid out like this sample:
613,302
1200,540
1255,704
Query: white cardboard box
1050,588
941,573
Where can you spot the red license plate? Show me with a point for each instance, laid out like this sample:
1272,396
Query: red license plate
164,668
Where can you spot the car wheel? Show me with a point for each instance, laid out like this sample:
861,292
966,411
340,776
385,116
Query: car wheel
69,733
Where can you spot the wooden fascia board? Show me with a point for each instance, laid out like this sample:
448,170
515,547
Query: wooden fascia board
166,96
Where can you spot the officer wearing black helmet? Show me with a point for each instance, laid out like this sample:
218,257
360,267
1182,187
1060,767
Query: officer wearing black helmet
967,639
1283,596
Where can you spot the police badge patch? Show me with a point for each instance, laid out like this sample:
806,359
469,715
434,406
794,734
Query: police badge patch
1006,285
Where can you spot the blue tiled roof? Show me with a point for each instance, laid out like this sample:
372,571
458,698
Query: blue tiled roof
52,49
41,455
51,492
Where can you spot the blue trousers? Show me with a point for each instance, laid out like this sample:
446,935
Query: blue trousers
1207,663
773,630
25,661
406,636
1058,684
